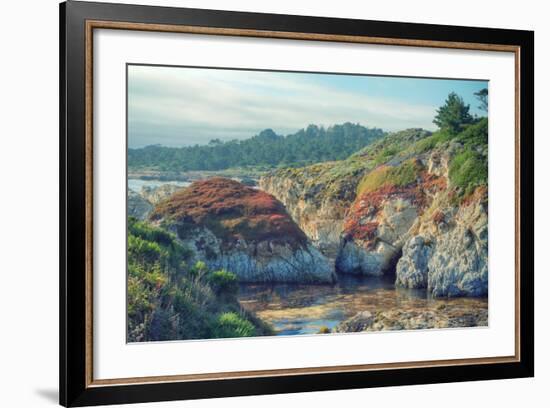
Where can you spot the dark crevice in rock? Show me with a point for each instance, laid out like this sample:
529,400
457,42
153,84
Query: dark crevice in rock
390,270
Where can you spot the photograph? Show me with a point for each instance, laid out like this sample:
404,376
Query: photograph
257,202
282,203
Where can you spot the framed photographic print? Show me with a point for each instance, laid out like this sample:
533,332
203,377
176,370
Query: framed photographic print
256,203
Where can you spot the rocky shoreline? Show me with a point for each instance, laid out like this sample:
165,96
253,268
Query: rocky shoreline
414,320
394,207
391,208
244,230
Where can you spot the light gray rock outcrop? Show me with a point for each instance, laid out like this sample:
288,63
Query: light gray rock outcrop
156,194
412,268
319,215
374,253
138,207
265,261
450,259
244,230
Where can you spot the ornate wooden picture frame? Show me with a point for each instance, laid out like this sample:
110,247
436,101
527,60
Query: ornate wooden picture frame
78,23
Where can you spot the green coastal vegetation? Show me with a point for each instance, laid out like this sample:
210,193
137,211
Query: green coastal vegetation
171,296
468,169
169,299
310,145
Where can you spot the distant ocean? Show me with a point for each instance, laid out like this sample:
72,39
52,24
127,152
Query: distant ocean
137,184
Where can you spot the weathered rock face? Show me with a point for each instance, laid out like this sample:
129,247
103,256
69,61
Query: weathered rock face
141,204
156,194
449,255
407,217
138,207
244,230
412,203
317,205
319,196
264,261
390,201
413,265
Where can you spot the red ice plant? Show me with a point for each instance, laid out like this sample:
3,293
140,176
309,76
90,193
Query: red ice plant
232,211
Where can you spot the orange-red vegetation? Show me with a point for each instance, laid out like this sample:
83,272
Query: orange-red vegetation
360,224
479,194
438,217
432,183
232,211
368,205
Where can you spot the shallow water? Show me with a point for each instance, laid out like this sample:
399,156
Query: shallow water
137,184
305,309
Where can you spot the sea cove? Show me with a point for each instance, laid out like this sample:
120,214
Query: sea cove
316,226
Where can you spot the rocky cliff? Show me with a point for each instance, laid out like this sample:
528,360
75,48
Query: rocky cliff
423,214
319,196
448,252
390,199
244,230
413,204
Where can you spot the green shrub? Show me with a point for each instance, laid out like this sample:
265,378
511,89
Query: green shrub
432,141
385,154
223,282
139,298
198,271
475,135
155,244
148,232
468,170
161,326
231,324
169,300
145,251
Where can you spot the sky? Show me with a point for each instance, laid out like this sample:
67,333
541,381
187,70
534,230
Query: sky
179,106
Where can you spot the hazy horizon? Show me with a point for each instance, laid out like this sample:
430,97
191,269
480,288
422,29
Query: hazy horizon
180,106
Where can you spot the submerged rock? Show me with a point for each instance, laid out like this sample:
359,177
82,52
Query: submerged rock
244,230
416,319
360,322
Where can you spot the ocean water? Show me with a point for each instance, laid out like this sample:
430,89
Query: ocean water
137,184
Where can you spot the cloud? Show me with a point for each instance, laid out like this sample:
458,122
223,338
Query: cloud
183,106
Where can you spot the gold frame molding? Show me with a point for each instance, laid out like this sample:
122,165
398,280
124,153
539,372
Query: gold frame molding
99,24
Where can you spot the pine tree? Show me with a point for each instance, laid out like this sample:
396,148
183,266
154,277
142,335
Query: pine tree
454,115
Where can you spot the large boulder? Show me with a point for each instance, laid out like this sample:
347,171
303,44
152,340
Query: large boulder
244,230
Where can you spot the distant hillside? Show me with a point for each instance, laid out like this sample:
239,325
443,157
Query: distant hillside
311,145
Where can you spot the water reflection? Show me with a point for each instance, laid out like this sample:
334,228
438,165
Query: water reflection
306,309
